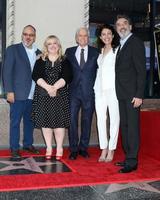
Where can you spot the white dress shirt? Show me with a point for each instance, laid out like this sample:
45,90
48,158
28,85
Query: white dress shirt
123,41
105,78
31,53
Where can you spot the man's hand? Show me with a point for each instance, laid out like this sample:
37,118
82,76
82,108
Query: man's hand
10,97
136,102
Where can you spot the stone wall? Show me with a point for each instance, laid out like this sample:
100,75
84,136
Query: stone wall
149,104
38,138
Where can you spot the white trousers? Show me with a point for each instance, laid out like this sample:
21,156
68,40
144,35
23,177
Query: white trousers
103,101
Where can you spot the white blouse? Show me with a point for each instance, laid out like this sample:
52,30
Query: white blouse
105,78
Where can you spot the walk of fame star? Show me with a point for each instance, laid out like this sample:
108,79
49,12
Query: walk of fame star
31,165
142,186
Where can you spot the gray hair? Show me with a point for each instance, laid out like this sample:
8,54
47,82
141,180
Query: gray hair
125,17
79,29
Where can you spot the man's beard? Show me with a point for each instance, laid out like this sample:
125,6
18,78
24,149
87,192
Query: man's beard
124,33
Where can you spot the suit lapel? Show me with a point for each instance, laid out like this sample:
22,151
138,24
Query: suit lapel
89,54
126,43
123,47
74,57
24,54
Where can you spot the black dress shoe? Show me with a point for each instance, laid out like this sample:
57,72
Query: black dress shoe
84,153
73,155
15,154
31,149
121,164
127,169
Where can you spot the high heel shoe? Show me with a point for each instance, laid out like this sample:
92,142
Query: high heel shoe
59,154
58,157
110,156
48,155
102,157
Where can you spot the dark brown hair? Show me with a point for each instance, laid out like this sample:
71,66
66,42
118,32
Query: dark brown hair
115,41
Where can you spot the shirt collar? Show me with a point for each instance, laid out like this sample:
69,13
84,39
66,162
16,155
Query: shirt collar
34,48
85,48
122,41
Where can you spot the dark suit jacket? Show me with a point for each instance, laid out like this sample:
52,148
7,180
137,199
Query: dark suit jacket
16,71
86,76
130,69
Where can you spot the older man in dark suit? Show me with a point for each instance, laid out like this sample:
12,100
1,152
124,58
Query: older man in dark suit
83,59
19,87
130,83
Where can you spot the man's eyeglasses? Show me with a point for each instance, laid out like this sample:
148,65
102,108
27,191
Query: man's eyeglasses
30,35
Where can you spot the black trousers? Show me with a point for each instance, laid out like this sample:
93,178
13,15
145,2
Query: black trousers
129,122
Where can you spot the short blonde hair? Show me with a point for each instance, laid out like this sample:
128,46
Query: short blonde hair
45,49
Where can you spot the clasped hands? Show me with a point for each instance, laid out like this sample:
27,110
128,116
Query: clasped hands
52,90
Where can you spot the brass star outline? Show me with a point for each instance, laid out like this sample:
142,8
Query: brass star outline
28,163
138,185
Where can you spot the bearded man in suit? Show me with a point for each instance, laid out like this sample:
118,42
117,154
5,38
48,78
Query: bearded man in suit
19,88
83,59
130,83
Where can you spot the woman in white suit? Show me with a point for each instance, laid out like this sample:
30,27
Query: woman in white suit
105,94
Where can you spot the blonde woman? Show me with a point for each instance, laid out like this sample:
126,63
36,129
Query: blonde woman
51,74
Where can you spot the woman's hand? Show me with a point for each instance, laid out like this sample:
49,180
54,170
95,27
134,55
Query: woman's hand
52,90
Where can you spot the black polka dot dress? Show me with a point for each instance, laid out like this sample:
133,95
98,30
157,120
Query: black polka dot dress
51,112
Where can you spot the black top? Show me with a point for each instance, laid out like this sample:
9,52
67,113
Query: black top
47,111
39,70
